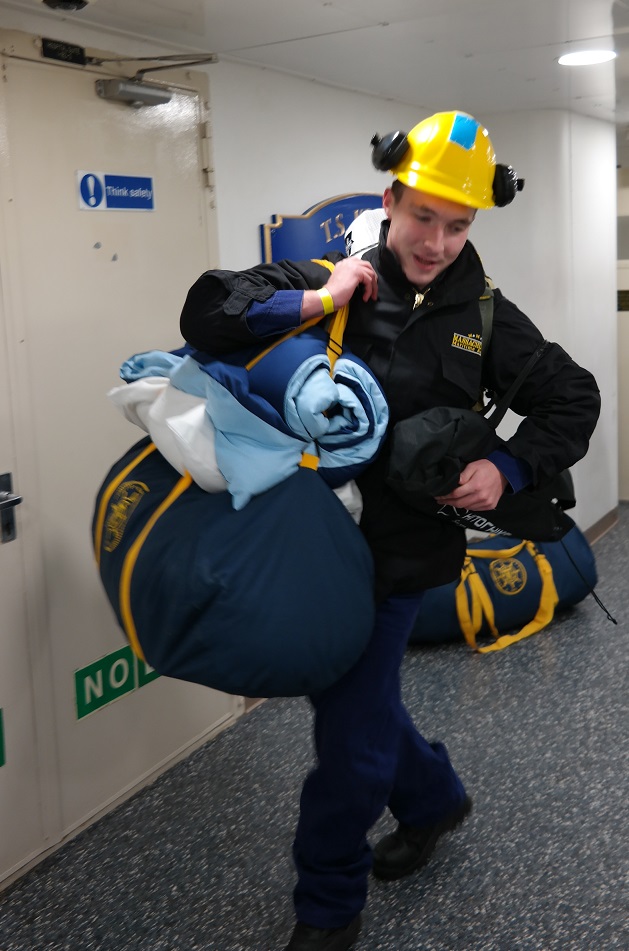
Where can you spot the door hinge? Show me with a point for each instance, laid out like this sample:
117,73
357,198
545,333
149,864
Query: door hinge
207,162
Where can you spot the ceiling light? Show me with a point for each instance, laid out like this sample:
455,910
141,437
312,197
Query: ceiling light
586,57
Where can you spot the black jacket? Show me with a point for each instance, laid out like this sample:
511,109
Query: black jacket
423,348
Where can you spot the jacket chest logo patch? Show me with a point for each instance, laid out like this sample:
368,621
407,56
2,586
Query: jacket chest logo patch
473,343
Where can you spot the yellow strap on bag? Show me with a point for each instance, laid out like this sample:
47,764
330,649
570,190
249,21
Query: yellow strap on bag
481,604
471,621
291,333
334,349
335,335
337,326
126,575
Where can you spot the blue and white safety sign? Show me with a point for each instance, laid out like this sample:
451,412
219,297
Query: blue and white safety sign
99,191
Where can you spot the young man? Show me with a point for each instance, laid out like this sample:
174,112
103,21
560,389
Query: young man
413,300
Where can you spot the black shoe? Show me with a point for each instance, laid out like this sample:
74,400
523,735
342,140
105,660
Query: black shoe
408,848
307,938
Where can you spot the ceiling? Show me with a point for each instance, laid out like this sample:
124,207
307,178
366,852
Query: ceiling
481,56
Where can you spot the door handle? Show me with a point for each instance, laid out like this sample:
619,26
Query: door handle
8,500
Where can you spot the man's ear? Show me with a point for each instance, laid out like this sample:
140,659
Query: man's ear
388,201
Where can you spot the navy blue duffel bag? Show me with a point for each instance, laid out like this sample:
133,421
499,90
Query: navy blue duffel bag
275,599
507,585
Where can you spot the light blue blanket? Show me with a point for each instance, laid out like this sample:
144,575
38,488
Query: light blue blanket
267,417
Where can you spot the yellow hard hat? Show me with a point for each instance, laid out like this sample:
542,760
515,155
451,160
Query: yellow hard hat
449,155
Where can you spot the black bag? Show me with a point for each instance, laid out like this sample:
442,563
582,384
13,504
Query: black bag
429,451
536,513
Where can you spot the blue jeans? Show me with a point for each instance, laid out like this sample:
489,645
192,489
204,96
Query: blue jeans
370,756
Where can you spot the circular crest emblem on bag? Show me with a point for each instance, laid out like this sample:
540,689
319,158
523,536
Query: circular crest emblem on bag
124,500
508,575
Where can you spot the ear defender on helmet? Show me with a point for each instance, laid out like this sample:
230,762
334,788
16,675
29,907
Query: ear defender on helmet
389,151
449,155
506,185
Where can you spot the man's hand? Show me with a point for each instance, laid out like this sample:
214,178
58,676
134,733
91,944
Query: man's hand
344,279
480,486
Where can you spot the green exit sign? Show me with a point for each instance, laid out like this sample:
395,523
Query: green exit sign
2,758
108,679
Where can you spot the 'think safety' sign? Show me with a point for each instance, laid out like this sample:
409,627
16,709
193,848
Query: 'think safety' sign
102,192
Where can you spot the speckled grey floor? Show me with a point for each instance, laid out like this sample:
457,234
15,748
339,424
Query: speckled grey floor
540,734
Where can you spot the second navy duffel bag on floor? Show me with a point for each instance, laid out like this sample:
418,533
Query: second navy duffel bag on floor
509,588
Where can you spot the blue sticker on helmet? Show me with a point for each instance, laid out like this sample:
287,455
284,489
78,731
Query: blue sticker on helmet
464,130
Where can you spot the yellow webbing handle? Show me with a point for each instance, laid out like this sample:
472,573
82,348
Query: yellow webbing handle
548,601
334,349
482,606
290,333
493,553
309,461
107,494
335,335
131,557
323,263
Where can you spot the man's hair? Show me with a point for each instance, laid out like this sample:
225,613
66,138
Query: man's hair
397,189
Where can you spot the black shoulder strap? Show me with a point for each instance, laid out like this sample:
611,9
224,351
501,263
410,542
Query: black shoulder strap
486,304
501,407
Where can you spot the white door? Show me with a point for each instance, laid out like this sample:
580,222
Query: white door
87,287
21,816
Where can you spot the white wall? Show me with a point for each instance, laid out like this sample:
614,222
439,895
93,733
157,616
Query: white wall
553,251
623,387
282,144
594,305
623,349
